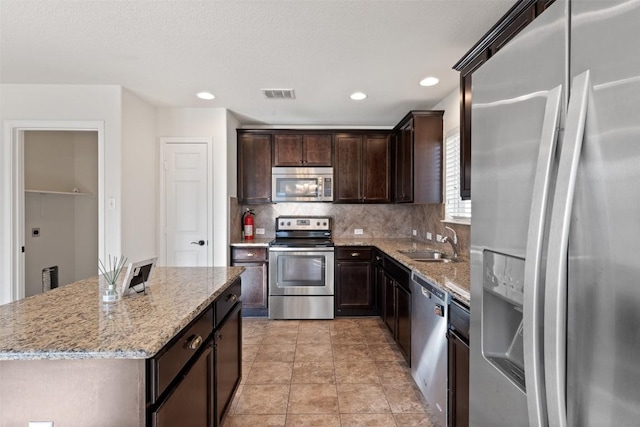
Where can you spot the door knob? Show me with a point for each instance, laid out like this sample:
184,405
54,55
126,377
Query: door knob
199,243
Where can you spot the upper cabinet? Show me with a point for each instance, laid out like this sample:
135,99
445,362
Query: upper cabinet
362,168
302,150
517,18
418,158
254,168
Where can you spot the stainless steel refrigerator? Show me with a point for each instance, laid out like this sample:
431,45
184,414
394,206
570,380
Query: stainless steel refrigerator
555,235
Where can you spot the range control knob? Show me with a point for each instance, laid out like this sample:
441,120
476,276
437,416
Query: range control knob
288,222
281,222
324,223
318,223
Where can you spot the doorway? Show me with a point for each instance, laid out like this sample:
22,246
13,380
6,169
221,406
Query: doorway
60,208
14,245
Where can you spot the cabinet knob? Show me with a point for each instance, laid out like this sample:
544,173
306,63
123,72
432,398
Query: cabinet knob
355,254
232,297
194,343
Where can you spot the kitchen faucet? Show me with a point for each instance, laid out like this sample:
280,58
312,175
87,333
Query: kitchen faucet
452,241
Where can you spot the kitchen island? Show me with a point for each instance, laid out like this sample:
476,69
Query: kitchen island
67,357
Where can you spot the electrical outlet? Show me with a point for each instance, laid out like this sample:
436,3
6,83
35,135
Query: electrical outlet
40,423
429,235
358,231
438,238
414,232
259,230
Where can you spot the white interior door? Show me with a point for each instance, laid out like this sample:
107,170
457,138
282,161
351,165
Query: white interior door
186,204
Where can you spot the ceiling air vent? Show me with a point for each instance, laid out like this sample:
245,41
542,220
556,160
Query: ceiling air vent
279,93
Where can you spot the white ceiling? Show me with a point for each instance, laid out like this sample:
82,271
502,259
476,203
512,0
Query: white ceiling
166,51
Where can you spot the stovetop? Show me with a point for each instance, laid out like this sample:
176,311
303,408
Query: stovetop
303,231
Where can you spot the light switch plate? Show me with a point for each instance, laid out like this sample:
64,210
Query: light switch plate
358,231
414,232
429,236
438,238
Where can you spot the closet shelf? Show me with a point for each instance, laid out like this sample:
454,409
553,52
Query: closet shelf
62,193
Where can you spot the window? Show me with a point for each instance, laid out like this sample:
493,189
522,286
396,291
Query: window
455,208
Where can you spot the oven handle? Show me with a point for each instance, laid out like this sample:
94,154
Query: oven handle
300,249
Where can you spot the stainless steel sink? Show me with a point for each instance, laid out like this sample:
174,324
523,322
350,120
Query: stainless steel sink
427,256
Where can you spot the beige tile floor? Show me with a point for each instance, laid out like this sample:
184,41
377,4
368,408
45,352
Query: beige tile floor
343,372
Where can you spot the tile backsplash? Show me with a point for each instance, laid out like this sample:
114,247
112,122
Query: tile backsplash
375,220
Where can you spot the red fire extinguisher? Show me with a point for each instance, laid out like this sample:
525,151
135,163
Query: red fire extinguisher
247,225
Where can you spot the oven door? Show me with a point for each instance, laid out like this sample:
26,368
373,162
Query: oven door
301,271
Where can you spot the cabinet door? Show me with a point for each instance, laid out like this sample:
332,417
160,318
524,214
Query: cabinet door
190,401
255,288
404,164
376,169
287,150
354,293
403,314
348,168
390,303
227,363
458,382
254,168
317,150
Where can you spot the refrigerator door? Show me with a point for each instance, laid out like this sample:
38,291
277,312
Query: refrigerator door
510,102
603,336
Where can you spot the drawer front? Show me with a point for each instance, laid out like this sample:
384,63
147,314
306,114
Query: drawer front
248,254
180,350
354,253
225,302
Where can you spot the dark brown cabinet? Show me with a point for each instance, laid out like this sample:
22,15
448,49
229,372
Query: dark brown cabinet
227,342
302,150
397,302
255,279
362,168
458,351
192,380
354,287
254,168
514,21
418,158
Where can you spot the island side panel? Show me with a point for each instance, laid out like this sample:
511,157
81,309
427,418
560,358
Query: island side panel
110,392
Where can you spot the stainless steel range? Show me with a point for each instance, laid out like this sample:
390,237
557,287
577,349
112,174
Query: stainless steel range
301,267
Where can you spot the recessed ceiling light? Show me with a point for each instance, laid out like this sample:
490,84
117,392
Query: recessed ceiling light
358,96
429,81
205,95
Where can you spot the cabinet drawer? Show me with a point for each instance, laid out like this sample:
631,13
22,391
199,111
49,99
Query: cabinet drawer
225,302
180,350
248,254
354,253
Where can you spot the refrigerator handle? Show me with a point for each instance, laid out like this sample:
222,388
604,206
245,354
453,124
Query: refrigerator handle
555,305
532,309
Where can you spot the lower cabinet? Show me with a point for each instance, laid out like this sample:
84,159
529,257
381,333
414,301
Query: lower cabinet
255,279
458,347
227,342
189,403
354,287
192,380
396,308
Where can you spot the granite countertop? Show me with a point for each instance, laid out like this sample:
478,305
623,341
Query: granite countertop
72,322
451,277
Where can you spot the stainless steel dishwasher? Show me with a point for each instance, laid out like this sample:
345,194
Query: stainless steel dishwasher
429,307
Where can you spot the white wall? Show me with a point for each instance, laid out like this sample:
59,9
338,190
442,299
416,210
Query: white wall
68,103
451,107
211,123
139,178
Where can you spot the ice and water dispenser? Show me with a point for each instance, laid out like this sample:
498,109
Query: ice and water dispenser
502,298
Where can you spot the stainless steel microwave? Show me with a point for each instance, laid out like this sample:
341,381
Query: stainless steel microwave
302,184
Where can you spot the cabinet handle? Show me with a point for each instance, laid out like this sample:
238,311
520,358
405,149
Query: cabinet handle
355,254
232,297
251,254
378,258
194,343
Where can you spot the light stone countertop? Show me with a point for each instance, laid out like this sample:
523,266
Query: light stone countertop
72,322
451,277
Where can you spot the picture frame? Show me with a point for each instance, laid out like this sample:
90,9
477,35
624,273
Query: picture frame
138,274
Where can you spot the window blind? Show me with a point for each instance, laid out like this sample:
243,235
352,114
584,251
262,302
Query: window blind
455,207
